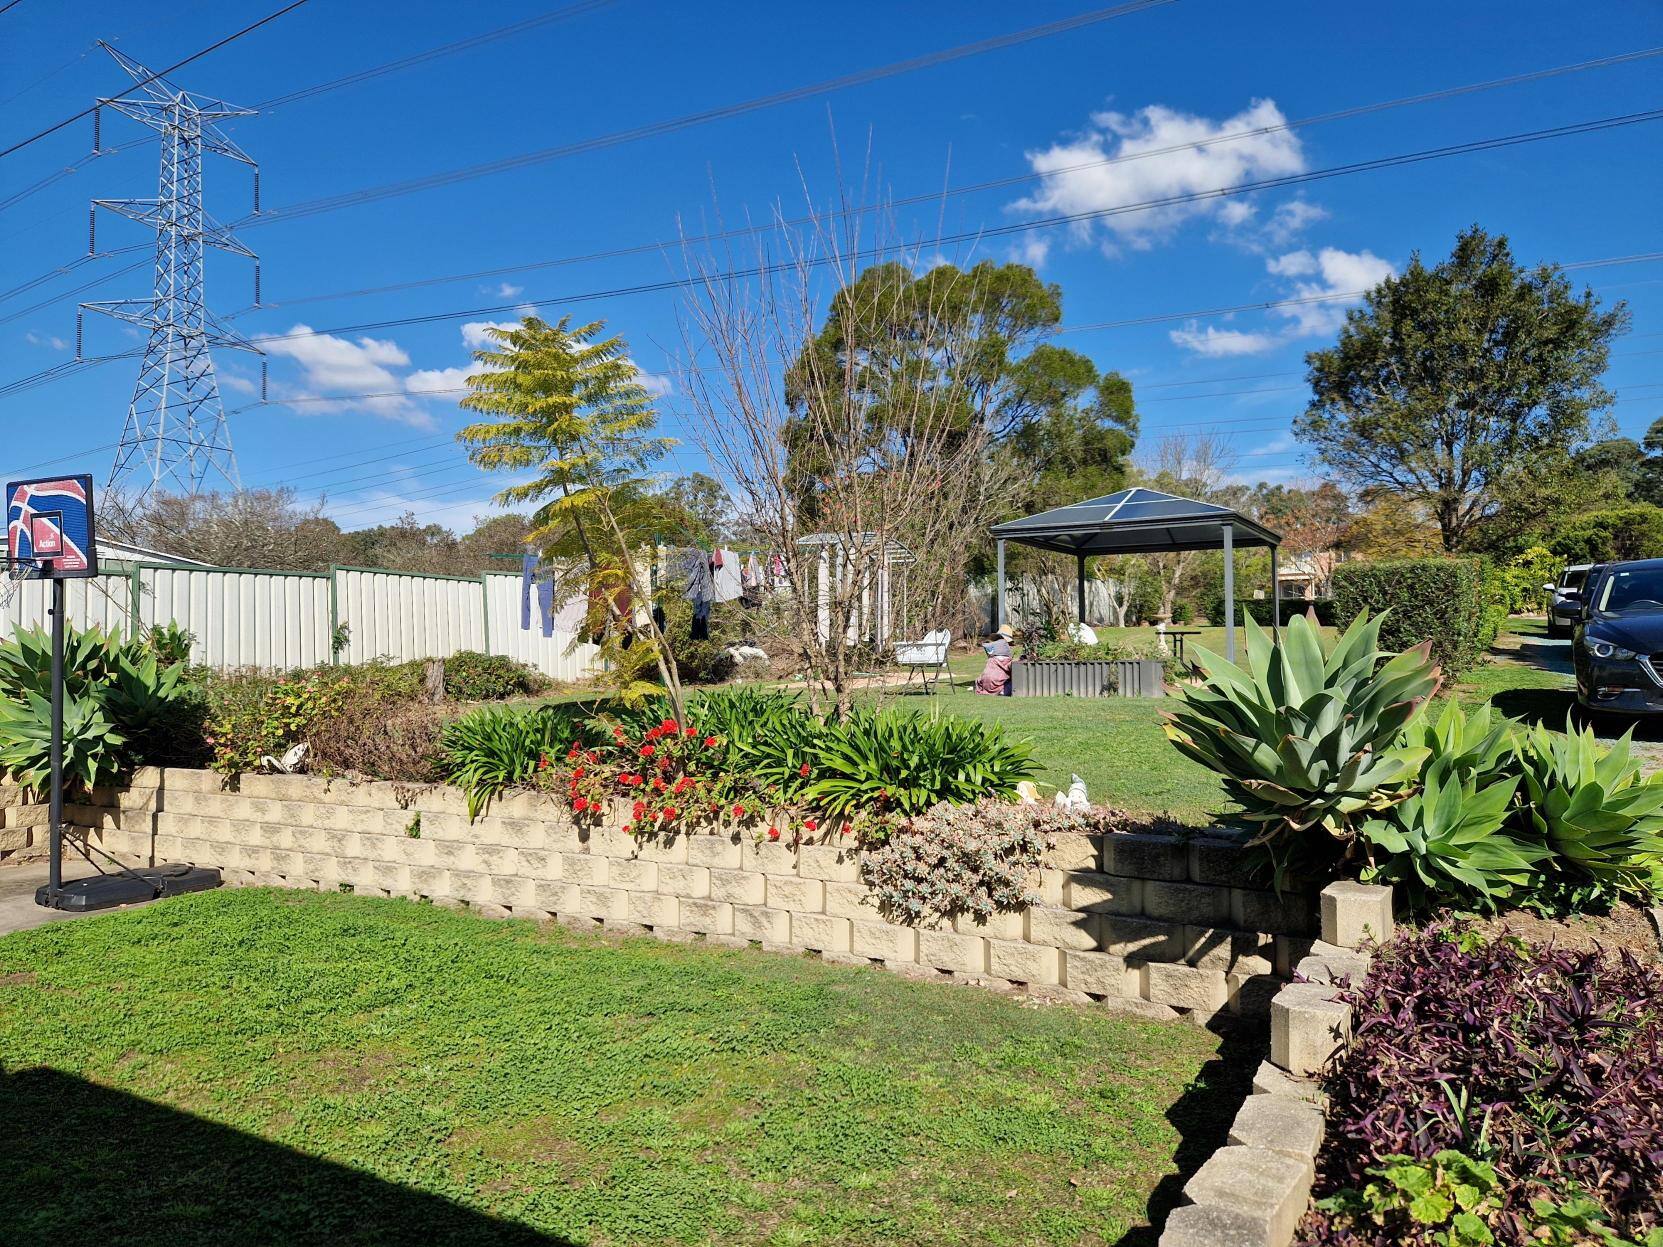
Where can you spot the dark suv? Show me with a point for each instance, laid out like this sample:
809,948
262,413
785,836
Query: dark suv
1618,644
1565,599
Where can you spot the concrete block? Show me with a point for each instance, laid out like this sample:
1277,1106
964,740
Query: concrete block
535,863
758,922
1307,1027
848,900
948,950
1146,857
633,874
1184,987
1218,948
1268,1080
584,868
883,941
557,898
741,887
1206,1225
1266,1192
1355,913
1251,994
692,882
720,852
1195,904
1137,1007
665,848
652,909
830,863
1282,1124
819,931
1063,928
1023,962
1047,886
806,896
1289,951
771,857
1252,909
1101,974
1074,851
999,925
598,901
1102,894
1141,940
496,859
1218,860
1332,965
705,916
610,842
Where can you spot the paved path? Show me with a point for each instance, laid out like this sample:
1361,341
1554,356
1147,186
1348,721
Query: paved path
18,910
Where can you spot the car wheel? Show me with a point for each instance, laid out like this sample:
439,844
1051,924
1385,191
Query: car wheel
1555,631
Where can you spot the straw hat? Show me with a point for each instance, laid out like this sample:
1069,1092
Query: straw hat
1006,631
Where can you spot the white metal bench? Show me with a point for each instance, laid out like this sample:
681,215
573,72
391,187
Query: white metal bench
927,658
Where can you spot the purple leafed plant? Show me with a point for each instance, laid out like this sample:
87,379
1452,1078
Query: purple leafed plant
1547,1063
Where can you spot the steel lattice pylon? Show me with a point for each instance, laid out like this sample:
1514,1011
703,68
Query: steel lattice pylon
175,439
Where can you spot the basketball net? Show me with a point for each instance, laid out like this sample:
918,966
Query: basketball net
16,572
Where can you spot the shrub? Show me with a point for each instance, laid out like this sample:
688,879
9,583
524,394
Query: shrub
252,715
764,733
959,859
1260,609
169,642
494,748
1440,600
1524,576
1307,743
472,676
375,731
1631,532
876,764
1543,1063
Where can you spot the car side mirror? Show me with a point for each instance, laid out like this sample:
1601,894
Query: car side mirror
1547,588
1571,595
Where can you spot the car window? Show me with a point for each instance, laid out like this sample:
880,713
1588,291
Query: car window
1573,580
1640,587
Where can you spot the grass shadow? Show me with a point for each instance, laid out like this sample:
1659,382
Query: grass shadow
1547,706
90,1166
1203,1115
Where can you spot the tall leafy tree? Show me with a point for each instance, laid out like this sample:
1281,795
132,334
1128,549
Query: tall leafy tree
1454,381
571,410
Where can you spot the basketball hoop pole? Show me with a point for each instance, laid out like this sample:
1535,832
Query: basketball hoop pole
55,868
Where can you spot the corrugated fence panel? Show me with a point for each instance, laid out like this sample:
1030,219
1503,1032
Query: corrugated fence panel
103,601
402,616
241,618
555,656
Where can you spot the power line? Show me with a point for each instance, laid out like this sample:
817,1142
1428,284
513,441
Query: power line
762,270
791,95
194,56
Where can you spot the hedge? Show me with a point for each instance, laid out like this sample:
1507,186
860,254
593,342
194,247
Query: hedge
1449,601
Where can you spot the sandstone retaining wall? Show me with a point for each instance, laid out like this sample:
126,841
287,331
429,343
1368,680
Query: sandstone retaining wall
1155,924
23,825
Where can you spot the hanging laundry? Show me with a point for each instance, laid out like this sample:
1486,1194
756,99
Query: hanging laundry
776,568
700,628
724,568
545,603
751,578
528,569
701,584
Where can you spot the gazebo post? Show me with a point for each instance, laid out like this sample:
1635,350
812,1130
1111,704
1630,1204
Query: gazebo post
1229,592
1080,583
999,586
1275,597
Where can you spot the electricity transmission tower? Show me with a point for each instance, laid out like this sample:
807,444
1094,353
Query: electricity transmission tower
175,439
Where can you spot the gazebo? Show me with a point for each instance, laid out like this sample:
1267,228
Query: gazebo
1142,521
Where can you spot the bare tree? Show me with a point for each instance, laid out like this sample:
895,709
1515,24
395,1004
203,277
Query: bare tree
868,472
1191,466
252,528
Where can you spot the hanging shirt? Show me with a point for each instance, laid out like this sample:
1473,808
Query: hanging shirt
701,584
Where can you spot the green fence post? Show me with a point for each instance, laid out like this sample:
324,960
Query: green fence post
334,613
135,602
485,610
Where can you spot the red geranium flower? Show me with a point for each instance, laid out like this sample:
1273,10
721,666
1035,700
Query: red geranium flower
543,763
657,784
773,833
710,742
739,811
638,809
669,812
647,751
803,769
580,805
669,725
811,824
577,772
691,730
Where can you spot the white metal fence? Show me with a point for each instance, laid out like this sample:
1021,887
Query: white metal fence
279,620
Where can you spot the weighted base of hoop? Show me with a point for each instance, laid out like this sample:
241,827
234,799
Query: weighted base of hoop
110,891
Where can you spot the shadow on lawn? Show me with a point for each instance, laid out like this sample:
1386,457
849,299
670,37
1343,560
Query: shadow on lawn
1203,1115
95,1166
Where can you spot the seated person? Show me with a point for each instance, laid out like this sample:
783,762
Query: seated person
996,674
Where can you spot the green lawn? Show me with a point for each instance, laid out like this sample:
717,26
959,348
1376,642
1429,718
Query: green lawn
258,1067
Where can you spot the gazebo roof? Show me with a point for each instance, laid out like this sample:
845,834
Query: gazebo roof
1135,521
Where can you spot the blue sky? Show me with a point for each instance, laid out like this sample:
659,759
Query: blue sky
1170,74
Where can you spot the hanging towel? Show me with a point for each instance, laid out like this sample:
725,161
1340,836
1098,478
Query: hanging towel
528,569
545,603
725,572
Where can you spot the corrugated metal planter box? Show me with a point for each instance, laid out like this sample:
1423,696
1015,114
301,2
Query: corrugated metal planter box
1136,677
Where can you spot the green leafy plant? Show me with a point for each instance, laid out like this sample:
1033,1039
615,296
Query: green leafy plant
253,716
764,733
472,676
1449,1198
91,744
1307,742
1593,806
1575,1220
26,661
494,748
894,762
168,642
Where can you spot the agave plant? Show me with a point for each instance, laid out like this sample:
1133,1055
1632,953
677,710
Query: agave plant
1307,741
26,661
1448,838
1478,743
1593,807
91,743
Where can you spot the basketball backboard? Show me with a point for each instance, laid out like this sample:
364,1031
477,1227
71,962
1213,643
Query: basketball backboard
49,528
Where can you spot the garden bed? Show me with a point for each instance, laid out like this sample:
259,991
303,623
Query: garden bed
316,1069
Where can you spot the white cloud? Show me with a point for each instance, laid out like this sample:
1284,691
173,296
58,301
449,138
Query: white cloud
1335,273
439,379
51,341
332,364
476,338
1195,156
1032,249
239,385
1216,343
657,384
507,290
